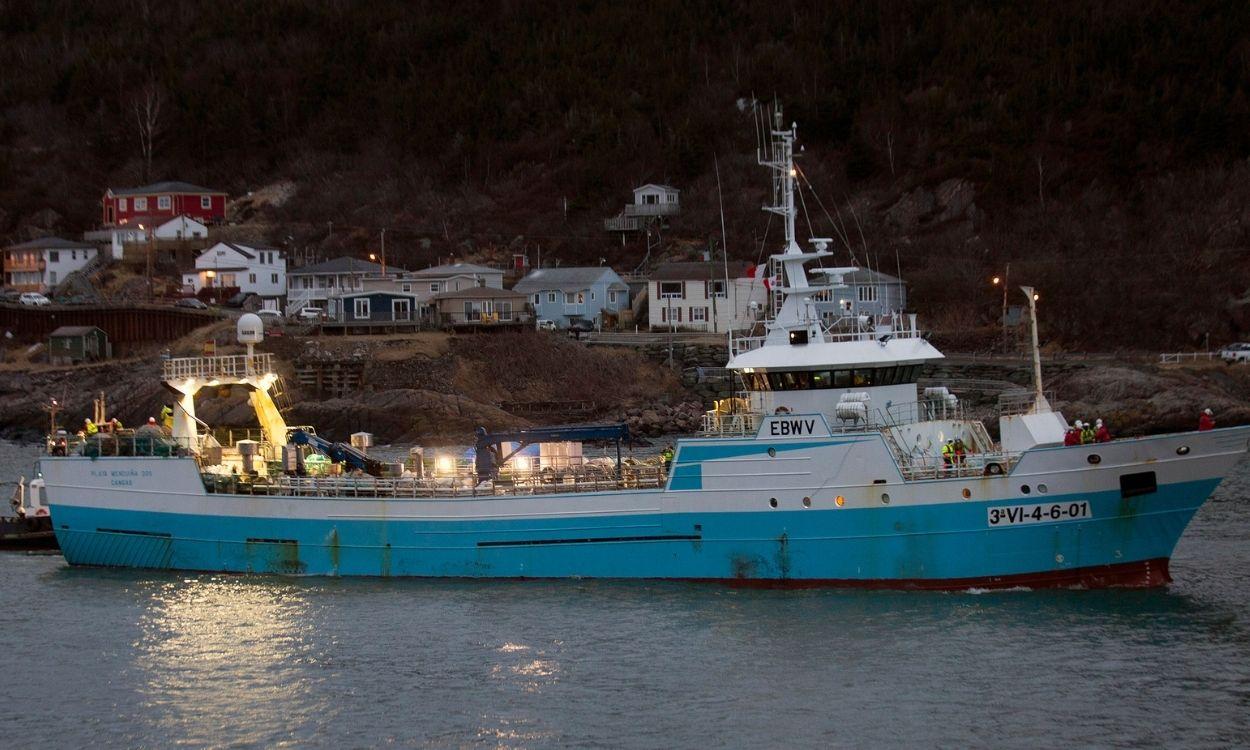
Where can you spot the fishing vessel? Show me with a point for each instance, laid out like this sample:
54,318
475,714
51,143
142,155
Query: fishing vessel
828,469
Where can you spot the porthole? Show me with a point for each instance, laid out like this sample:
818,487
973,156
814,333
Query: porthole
967,493
885,498
807,502
839,500
1043,489
772,502
1094,458
1024,489
1182,450
772,452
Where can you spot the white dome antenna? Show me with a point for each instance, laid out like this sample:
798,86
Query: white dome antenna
250,330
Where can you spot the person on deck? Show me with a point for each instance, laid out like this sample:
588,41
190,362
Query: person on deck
167,418
1101,433
667,456
1206,420
961,452
948,455
115,425
1072,437
89,428
1087,434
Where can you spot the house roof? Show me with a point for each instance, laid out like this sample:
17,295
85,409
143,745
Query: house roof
51,243
572,279
168,186
867,276
481,292
669,188
452,269
74,331
345,265
699,271
247,251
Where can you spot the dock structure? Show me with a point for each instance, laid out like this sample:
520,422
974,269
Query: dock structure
124,324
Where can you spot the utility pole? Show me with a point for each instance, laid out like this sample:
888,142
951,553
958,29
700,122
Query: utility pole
1039,403
383,251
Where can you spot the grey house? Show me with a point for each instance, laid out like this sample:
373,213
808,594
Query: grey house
567,294
379,307
864,292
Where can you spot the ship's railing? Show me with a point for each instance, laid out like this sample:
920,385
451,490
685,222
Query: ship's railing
926,410
743,424
973,465
536,483
145,441
1012,403
229,366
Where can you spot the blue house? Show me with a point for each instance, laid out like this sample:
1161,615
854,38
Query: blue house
563,295
389,307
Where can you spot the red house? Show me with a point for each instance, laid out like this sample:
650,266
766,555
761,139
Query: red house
163,200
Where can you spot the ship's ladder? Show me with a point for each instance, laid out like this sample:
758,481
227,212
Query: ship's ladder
278,393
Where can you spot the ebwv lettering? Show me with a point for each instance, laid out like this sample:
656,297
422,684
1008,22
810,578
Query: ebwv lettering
783,427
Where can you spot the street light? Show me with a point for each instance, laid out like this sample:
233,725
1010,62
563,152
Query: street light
1003,281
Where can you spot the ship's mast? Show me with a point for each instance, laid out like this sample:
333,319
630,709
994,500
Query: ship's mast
780,159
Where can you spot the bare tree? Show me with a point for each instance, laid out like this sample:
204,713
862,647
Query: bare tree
147,106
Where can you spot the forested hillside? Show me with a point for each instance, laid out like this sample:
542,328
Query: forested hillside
1100,148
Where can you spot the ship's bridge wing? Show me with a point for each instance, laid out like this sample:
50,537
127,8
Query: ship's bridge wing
836,354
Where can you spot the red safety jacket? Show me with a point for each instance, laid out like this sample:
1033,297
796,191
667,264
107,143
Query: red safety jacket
1102,435
1206,422
1072,437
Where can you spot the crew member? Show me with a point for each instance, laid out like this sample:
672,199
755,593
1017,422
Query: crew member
1101,433
89,428
1087,434
961,453
167,418
667,456
1072,437
115,425
948,455
1206,420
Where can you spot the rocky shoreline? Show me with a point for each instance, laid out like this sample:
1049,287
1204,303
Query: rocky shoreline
436,390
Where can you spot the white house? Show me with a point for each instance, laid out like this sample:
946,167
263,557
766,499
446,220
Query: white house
253,270
181,227
41,264
695,296
654,200
427,282
324,284
116,238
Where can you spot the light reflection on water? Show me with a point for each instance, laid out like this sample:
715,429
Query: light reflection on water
212,647
134,658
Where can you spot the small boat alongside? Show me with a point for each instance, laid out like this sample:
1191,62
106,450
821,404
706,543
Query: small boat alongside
828,469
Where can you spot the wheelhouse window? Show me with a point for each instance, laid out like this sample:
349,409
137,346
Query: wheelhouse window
859,377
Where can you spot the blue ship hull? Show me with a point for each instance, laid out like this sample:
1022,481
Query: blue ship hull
1125,541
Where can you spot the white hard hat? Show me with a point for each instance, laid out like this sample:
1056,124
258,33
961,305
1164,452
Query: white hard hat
1079,424
1207,412
1098,422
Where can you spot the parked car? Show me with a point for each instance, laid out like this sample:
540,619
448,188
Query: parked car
9,295
310,314
578,326
33,298
546,325
1239,352
191,303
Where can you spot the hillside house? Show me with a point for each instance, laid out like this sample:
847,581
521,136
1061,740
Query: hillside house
863,292
695,296
41,264
324,284
563,295
378,307
165,200
480,307
113,240
428,282
651,201
250,269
